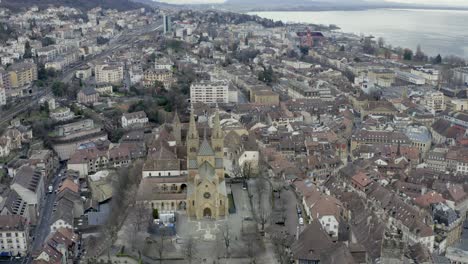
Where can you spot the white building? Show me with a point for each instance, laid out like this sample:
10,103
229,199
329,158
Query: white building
2,96
137,119
14,235
210,92
434,101
61,114
109,73
461,74
409,77
429,74
84,72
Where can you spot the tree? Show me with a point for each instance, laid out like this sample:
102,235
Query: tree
262,210
190,249
27,50
155,213
102,40
226,235
408,54
47,41
437,59
342,48
141,217
419,56
368,46
267,75
59,89
381,42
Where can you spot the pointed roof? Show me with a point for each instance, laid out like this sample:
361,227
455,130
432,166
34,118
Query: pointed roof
217,131
205,149
176,119
193,132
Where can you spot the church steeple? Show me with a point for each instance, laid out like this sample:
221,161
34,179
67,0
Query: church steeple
217,136
177,128
193,139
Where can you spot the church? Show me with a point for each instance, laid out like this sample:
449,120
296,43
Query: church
206,194
186,174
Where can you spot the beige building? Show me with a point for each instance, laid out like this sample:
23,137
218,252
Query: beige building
207,194
265,97
109,73
22,74
161,75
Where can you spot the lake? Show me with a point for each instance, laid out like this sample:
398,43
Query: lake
437,31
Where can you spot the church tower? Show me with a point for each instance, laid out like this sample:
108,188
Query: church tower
193,139
177,128
217,137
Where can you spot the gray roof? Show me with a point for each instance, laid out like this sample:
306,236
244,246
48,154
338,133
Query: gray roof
192,164
205,149
100,217
206,171
28,178
64,211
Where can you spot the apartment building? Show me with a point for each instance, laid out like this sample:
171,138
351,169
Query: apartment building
136,119
109,73
14,235
429,74
435,101
210,92
22,74
162,75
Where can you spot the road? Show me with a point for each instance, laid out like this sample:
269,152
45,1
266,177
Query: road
292,219
121,41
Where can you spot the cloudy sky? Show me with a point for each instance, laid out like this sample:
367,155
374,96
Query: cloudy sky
423,2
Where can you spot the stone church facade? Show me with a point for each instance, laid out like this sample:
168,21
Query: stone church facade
206,195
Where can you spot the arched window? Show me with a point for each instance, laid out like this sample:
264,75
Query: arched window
220,202
193,202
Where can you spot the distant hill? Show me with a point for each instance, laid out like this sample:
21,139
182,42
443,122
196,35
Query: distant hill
120,5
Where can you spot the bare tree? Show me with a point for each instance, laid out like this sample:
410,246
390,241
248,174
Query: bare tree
280,241
142,217
381,42
226,235
160,247
264,203
190,249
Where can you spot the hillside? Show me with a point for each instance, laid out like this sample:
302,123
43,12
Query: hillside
120,5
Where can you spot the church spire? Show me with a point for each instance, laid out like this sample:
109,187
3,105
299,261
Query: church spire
217,131
176,119
192,138
193,132
217,137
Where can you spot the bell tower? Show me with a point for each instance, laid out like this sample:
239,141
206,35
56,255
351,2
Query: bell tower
217,137
193,140
177,129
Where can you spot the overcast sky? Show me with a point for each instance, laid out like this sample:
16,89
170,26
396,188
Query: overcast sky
423,2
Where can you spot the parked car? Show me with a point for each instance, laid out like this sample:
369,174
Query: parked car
299,210
301,221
